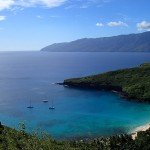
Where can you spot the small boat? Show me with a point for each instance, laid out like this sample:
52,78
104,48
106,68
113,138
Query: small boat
45,101
30,106
52,107
65,85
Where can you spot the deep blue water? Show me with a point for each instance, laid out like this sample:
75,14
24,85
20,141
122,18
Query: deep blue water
26,76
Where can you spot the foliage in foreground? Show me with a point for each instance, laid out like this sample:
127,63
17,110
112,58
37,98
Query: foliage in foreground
10,139
134,83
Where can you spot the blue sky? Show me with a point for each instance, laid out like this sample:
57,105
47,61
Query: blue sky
34,24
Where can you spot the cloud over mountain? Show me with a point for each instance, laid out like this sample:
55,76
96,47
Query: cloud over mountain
144,25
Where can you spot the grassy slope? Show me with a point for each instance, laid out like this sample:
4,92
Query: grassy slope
133,82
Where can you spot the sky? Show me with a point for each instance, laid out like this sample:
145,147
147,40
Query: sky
34,24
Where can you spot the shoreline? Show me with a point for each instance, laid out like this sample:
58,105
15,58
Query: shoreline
138,129
121,93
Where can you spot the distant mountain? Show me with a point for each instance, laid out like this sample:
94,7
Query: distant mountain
122,43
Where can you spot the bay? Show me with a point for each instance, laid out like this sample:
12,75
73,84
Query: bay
29,76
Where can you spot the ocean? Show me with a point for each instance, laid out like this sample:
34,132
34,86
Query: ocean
30,76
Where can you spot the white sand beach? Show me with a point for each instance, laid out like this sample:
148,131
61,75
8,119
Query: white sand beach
140,128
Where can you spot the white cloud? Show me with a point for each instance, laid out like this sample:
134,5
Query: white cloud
40,17
48,3
144,25
9,4
119,23
99,24
6,4
2,18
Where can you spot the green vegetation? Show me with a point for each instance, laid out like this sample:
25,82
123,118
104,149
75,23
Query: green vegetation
10,139
133,83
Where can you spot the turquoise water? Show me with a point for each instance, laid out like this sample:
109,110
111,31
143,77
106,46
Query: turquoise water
79,113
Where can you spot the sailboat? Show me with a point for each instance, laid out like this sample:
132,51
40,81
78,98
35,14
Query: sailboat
52,106
30,106
45,100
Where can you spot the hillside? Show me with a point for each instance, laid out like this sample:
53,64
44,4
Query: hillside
133,83
10,139
122,43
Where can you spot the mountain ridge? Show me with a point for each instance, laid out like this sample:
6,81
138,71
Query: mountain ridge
122,43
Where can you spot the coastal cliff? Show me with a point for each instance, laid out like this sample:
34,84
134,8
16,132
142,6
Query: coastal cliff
132,83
